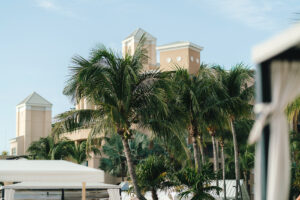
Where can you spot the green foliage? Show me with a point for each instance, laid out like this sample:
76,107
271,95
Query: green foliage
79,153
152,173
48,149
237,83
295,170
293,109
196,184
115,162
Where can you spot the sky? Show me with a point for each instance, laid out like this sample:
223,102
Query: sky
38,38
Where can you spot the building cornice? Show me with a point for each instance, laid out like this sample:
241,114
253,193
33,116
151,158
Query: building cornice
179,45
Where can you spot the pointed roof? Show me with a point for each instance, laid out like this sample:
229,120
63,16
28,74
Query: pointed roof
138,34
35,99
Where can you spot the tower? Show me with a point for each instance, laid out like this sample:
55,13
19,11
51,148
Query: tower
33,121
184,54
130,43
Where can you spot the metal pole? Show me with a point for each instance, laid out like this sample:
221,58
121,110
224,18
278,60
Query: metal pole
62,194
3,193
263,95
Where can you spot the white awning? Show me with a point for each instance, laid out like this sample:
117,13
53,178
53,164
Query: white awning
277,44
47,171
58,186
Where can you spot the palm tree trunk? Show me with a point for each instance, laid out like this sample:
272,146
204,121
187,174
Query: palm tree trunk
196,153
201,149
295,123
131,169
213,139
236,160
194,133
217,153
123,171
223,169
246,181
154,194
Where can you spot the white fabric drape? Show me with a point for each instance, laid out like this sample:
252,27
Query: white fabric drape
285,79
9,194
114,194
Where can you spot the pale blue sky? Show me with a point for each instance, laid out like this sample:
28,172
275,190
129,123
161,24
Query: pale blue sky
39,37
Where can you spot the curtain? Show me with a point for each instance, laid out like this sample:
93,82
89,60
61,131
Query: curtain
114,194
9,194
285,79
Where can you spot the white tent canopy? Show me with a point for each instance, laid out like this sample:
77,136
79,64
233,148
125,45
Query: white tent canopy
58,185
47,171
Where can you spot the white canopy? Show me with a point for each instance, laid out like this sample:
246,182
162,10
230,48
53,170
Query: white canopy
47,171
58,185
277,44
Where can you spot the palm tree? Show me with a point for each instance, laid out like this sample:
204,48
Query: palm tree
194,90
125,96
152,174
223,166
79,153
115,161
197,184
247,164
47,149
238,85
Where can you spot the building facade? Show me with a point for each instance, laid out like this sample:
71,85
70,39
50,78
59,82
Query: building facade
33,121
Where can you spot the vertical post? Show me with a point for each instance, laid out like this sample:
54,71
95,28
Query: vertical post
62,194
83,195
2,194
263,95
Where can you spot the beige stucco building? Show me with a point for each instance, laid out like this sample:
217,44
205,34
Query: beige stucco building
180,54
184,54
33,121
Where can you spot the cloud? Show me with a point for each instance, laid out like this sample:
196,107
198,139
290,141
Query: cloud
266,15
53,6
255,14
48,5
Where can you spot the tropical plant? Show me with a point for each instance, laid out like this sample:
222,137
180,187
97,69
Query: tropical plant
126,97
152,174
247,164
237,104
198,185
295,170
79,153
292,111
194,92
114,161
48,149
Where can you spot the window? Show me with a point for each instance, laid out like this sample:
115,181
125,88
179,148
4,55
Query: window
192,58
178,58
168,60
14,151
